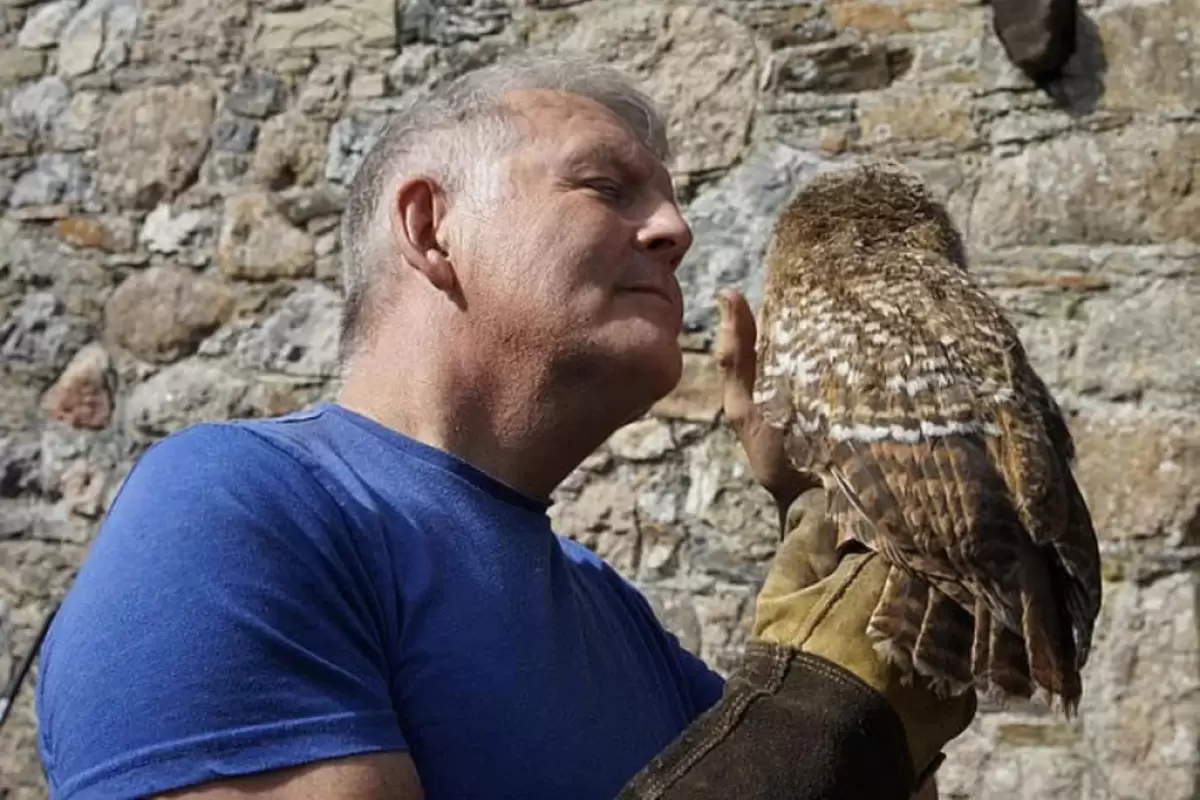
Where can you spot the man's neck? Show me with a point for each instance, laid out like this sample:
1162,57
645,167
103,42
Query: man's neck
514,423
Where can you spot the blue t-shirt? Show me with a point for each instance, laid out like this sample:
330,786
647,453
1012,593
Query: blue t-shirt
271,592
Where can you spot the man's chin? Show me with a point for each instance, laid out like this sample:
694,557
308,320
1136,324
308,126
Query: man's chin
653,375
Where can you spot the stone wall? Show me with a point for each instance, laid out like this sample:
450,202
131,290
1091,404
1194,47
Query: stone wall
171,173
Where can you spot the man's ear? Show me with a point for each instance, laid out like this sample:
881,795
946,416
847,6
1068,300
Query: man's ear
418,211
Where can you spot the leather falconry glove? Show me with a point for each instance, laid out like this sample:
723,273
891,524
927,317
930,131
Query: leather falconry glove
812,710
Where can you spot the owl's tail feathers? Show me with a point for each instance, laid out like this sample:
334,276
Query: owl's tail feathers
1000,660
1048,633
920,628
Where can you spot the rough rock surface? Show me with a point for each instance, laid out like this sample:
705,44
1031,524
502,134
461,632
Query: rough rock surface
171,173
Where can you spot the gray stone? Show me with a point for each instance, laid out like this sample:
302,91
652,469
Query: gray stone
368,87
39,338
162,314
256,94
43,26
183,394
1144,346
700,65
258,243
300,339
1140,475
645,440
56,178
99,35
74,128
846,66
153,141
1137,182
413,67
698,395
198,31
326,90
291,151
732,222
37,105
349,140
17,66
302,204
336,24
166,232
430,22
911,119
19,460
1151,58
791,24
235,135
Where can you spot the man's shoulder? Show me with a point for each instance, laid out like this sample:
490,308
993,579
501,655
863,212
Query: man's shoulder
237,449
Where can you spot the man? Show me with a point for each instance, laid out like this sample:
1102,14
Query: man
366,600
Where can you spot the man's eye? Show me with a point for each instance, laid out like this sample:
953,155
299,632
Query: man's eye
609,189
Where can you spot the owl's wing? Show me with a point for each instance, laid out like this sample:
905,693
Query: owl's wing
902,387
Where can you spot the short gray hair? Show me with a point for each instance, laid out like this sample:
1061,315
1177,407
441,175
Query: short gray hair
455,135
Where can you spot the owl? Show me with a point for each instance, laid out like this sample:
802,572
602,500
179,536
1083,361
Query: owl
900,385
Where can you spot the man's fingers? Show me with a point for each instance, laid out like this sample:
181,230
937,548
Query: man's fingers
735,354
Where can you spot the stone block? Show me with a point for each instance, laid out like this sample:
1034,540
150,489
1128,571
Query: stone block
700,65
98,35
110,234
258,243
17,66
1141,344
1130,186
840,67
162,314
298,340
1140,475
152,142
909,118
45,24
291,152
336,24
82,395
1151,58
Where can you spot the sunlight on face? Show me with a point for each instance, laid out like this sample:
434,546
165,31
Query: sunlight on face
578,263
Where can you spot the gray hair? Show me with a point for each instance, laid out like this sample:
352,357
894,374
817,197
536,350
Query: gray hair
455,135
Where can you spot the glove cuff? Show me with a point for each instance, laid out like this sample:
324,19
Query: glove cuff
789,724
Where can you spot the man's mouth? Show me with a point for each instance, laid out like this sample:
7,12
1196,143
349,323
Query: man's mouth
671,298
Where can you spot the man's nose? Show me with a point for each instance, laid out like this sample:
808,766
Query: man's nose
666,235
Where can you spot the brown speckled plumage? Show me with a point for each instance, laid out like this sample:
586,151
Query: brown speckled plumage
904,387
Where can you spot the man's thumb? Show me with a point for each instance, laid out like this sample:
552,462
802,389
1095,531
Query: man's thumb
735,355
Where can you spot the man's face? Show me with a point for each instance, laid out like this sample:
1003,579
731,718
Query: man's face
577,263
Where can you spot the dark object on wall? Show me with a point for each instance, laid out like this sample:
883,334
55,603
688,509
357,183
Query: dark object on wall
1039,36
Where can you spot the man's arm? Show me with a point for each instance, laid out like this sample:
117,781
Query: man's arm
222,626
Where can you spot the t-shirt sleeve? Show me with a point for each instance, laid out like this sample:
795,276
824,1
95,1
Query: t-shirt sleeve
222,624
704,684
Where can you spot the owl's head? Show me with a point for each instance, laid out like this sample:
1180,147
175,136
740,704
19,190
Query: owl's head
867,208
